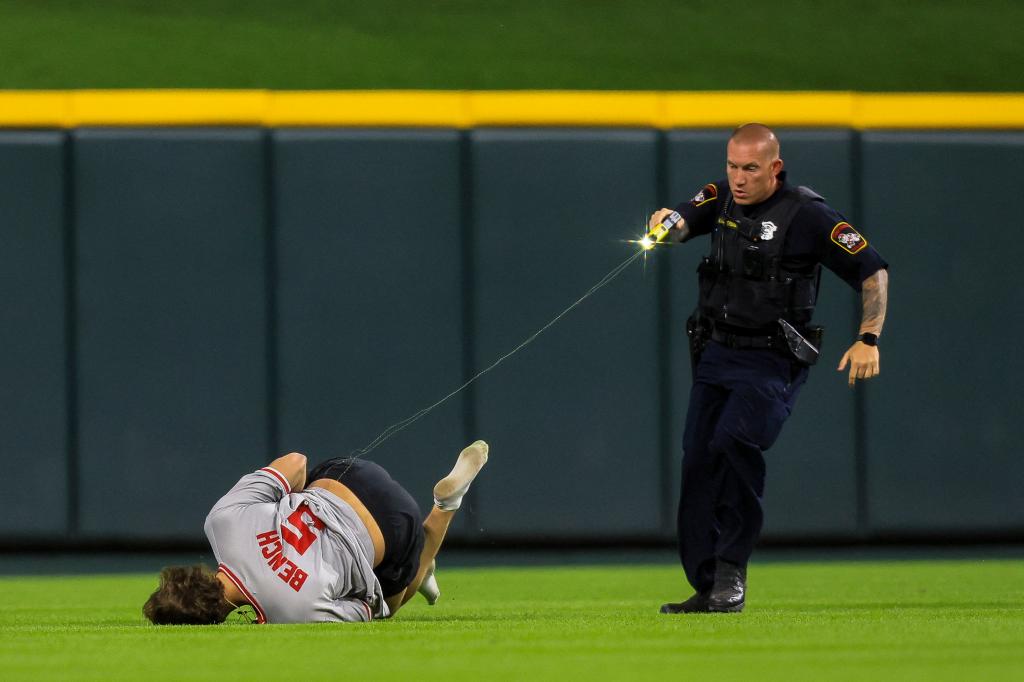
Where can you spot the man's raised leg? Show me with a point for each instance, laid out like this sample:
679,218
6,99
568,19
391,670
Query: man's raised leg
448,494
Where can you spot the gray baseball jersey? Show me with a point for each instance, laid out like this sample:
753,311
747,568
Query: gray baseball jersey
298,557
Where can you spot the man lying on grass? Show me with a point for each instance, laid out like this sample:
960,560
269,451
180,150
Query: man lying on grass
350,546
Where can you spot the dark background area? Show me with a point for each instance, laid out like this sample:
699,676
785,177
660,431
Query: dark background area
184,304
867,45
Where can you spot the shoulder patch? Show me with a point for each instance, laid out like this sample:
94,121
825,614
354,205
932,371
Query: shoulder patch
709,193
847,238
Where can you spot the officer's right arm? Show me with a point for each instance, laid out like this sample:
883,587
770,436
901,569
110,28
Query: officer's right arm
698,214
679,233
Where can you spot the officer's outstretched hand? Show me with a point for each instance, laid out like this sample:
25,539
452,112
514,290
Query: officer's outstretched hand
863,361
657,217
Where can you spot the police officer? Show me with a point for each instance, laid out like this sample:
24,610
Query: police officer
753,344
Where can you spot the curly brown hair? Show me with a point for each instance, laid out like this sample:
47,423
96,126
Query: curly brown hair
188,595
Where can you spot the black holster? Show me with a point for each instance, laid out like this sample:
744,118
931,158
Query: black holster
698,332
805,347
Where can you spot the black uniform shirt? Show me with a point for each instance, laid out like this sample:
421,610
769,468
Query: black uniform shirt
818,233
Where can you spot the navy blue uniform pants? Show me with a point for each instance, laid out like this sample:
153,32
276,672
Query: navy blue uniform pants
739,401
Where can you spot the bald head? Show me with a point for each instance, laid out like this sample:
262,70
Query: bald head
752,163
757,134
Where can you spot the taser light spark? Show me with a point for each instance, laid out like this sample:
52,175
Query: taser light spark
659,231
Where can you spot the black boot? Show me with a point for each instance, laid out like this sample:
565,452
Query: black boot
727,596
698,603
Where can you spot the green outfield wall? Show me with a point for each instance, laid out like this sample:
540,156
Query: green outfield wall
189,294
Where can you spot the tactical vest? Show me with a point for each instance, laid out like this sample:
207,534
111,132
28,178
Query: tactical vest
742,281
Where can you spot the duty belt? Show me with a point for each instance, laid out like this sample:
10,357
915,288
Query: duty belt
743,341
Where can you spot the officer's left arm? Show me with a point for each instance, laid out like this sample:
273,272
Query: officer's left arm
863,359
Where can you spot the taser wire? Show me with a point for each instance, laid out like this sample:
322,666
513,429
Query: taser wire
408,421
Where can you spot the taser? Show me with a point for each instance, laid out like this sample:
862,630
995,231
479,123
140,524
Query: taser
658,232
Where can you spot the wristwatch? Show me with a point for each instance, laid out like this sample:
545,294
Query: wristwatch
868,339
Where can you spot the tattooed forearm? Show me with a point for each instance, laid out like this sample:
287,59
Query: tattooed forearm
874,297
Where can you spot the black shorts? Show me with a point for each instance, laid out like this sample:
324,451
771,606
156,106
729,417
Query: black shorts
391,507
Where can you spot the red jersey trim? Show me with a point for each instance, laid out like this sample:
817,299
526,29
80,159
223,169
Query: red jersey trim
280,478
261,617
369,613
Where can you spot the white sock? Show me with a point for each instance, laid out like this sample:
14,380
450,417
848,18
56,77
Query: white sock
428,588
449,491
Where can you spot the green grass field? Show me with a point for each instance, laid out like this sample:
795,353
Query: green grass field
920,45
957,620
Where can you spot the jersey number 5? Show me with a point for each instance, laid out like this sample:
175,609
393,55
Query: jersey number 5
297,531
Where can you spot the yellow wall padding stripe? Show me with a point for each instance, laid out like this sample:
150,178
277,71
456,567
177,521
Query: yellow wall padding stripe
467,109
368,108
